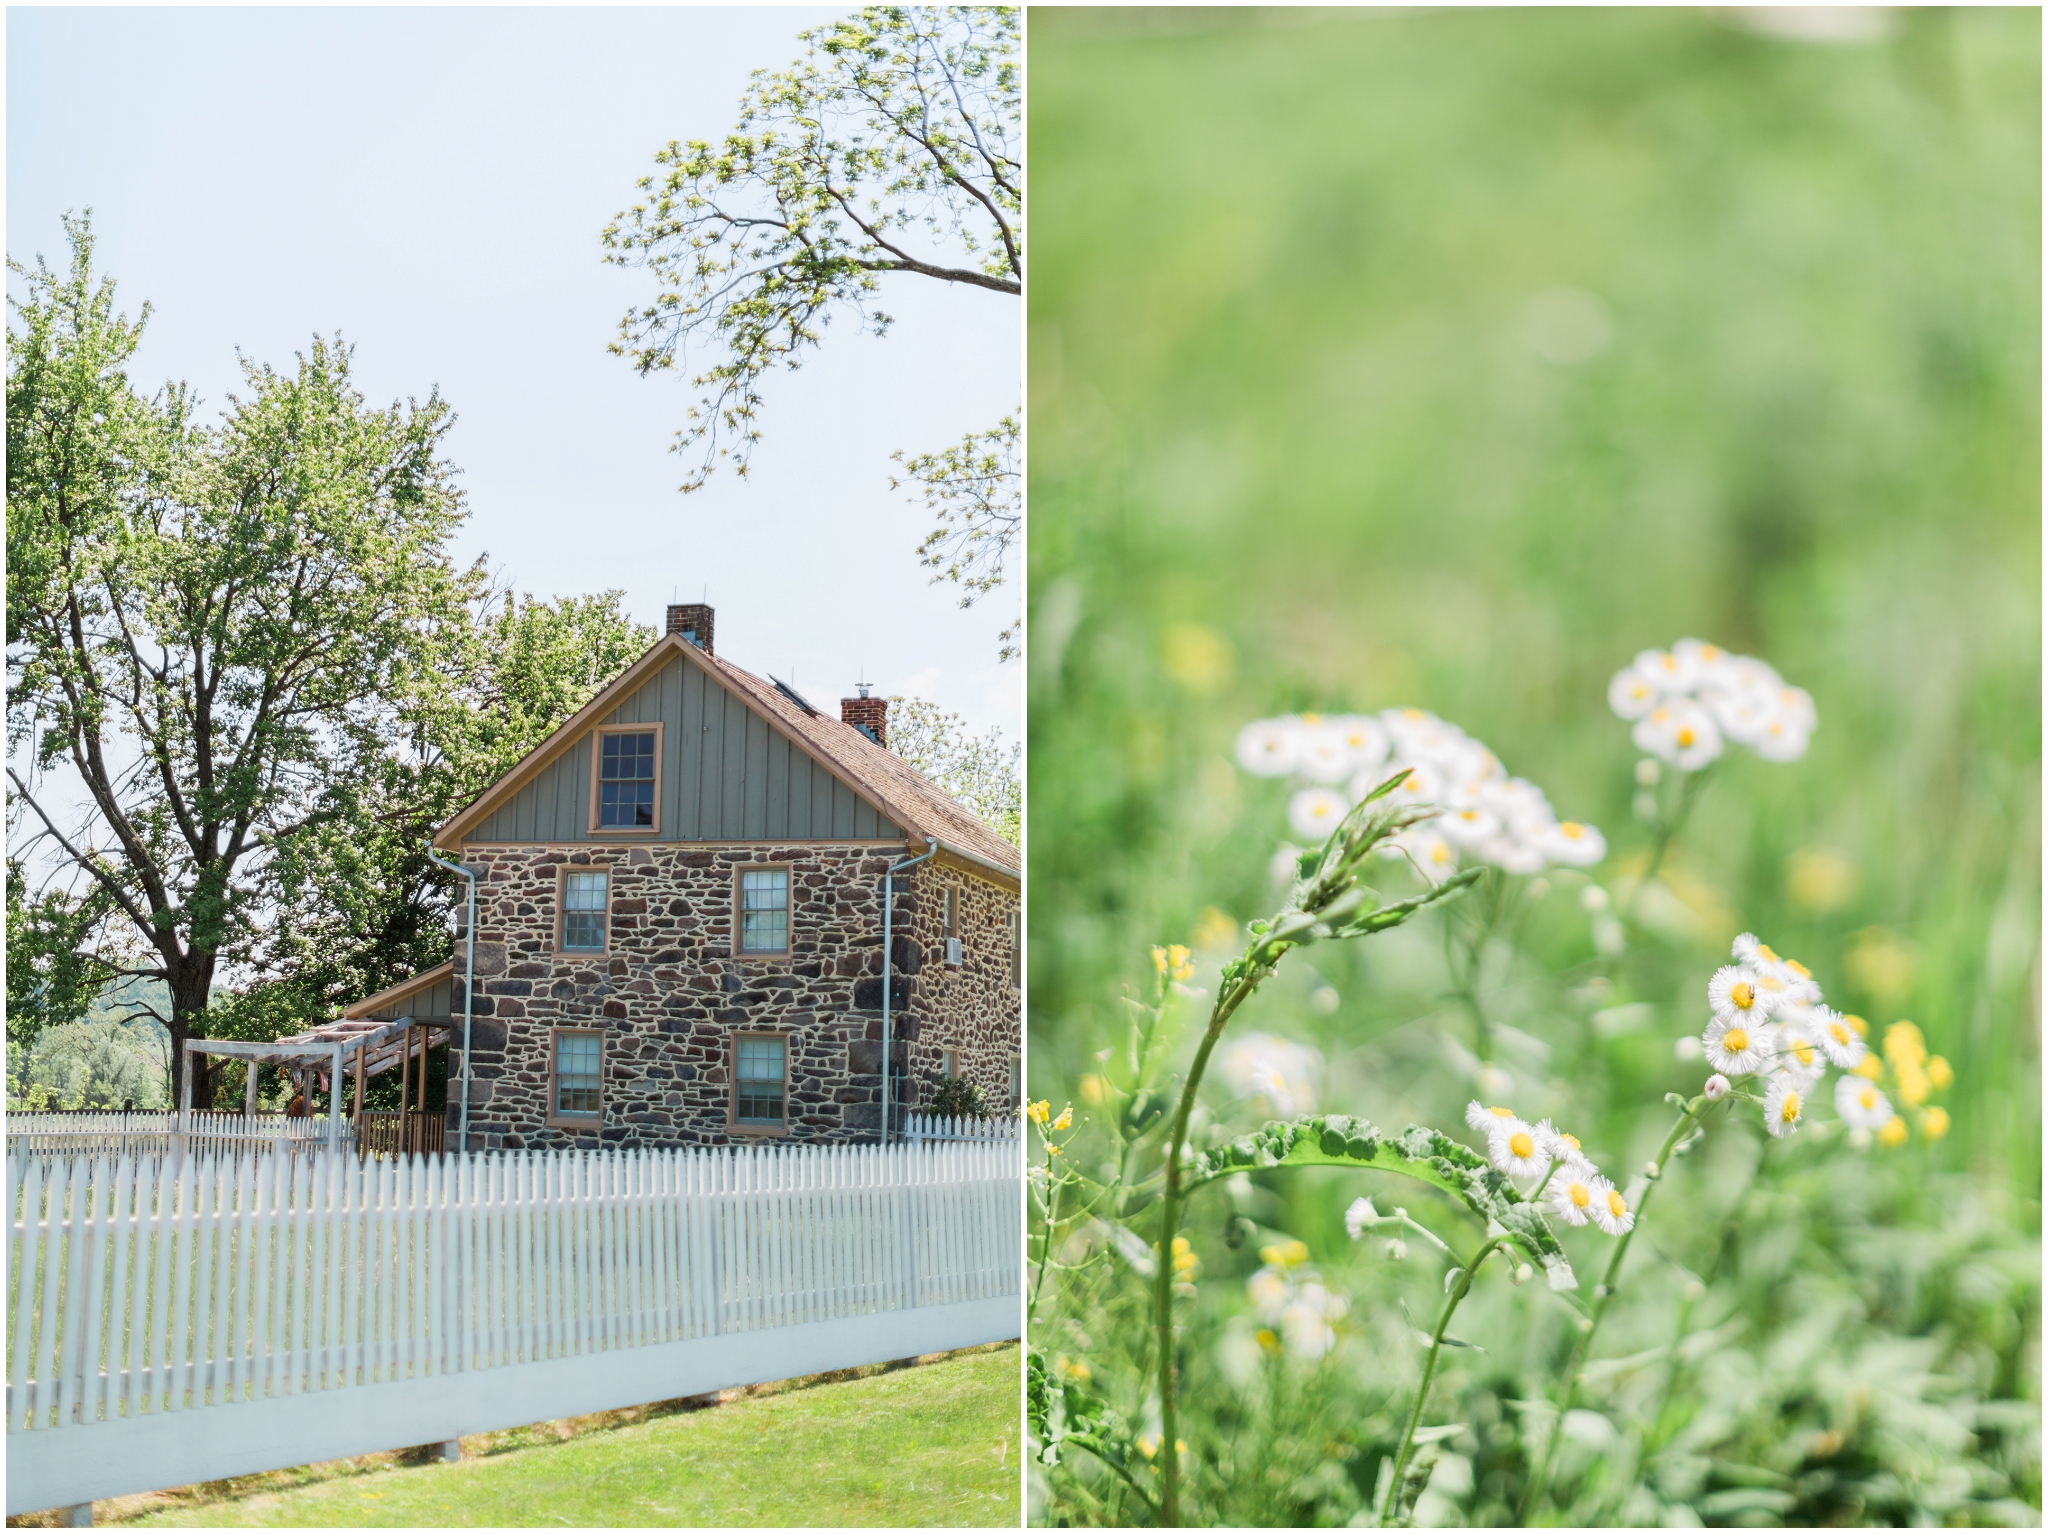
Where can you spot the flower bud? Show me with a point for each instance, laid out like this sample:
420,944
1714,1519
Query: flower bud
1648,772
1652,1171
1717,1087
1523,1274
1397,1250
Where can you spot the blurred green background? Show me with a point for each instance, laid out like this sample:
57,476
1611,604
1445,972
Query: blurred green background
1448,359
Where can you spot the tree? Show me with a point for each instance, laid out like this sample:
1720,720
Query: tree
207,628
975,769
892,147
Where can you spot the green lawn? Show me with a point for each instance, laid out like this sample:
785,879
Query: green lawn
935,1445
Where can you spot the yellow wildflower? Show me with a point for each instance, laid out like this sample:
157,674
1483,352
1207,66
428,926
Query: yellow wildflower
1091,1091
1903,1044
1287,1254
1147,1445
1179,964
1934,1123
1940,1073
1869,1068
1066,1118
1184,1259
1052,1150
1862,1028
1079,1371
1913,1083
1267,1340
1158,963
1040,1112
1893,1133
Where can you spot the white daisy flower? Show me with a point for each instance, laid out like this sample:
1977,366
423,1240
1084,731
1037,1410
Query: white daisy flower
1575,1191
1468,827
1705,664
1306,1326
1516,1149
1363,738
1610,1210
1483,1119
1740,1047
1416,734
1323,754
1795,707
1573,844
1780,740
1860,1105
1717,1087
1633,692
1513,855
1360,1217
1798,1053
1736,992
1313,813
1681,732
1562,1147
1270,747
1784,1103
1839,1041
1279,1070
1422,785
1671,674
1437,858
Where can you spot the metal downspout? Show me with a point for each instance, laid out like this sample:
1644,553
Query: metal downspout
468,994
931,847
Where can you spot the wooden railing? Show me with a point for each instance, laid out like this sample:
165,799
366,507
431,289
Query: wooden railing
424,1132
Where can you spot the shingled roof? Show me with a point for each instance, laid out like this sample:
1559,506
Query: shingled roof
903,793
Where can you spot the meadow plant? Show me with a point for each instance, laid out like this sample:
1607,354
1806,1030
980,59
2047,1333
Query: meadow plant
1119,1306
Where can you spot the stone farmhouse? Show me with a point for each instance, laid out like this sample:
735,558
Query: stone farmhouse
680,923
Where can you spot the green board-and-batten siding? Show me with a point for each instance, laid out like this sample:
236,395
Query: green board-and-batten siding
727,774
435,1002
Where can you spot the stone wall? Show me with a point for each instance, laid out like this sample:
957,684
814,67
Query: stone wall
669,996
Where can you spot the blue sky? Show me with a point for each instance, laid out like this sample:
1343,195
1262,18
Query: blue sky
430,184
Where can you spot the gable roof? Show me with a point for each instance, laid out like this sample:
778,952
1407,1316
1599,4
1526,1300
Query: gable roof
895,788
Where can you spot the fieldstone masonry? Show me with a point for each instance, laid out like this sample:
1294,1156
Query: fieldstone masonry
669,995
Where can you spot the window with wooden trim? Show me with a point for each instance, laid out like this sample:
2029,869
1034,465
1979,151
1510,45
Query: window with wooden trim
628,767
760,1096
763,916
1016,950
952,911
952,1066
578,1073
586,896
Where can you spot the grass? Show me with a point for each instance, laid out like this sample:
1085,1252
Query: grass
931,1446
1298,441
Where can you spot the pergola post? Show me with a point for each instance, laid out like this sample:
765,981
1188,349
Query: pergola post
249,1095
185,1102
334,1104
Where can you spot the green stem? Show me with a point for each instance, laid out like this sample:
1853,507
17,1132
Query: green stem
1052,1213
1460,1286
1602,1297
1667,832
1707,1282
1162,1287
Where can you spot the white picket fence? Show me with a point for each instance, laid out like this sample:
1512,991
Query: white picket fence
155,1302
920,1127
156,1133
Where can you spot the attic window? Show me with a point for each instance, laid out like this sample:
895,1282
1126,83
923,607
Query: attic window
628,767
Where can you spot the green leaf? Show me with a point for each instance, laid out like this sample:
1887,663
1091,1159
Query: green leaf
1427,1155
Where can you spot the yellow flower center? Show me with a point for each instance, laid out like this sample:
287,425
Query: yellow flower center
1616,1204
1839,1032
1893,1133
1522,1146
1710,652
1411,713
1764,952
1413,783
1804,1052
1571,1140
1685,735
1311,718
1670,663
1572,829
1581,1195
1867,1098
1660,716
1799,969
1789,1109
1743,995
1735,1040
1501,1113
1355,739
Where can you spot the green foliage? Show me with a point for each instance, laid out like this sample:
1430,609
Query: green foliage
958,1097
975,769
899,125
893,146
1292,446
53,972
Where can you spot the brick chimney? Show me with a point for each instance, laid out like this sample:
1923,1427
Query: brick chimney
868,715
693,621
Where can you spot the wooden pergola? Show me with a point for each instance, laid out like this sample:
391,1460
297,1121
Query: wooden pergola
375,1045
